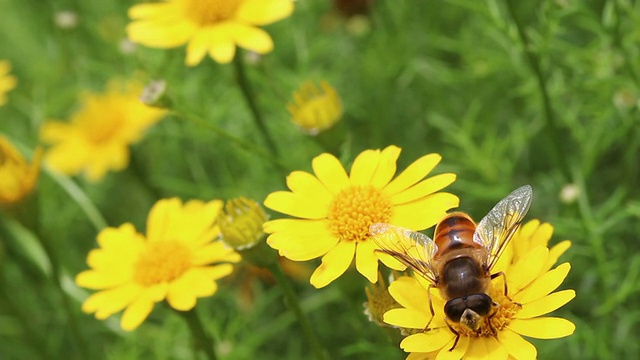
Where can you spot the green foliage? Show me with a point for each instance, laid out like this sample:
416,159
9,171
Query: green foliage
551,99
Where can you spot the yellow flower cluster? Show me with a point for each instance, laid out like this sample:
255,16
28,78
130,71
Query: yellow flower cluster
17,177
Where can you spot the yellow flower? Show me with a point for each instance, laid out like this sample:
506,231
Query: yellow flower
98,136
335,210
530,281
176,261
7,82
315,109
215,27
17,178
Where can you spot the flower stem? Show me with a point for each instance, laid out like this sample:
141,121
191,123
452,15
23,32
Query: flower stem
294,305
203,341
247,146
250,99
551,125
29,216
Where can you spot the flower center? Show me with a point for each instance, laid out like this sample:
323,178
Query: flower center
160,262
500,319
207,12
355,209
102,131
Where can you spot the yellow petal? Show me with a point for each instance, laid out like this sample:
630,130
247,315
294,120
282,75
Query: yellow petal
113,301
98,280
543,327
412,174
555,253
214,252
334,264
407,318
184,291
517,347
408,292
110,301
364,166
486,348
216,40
421,356
136,313
390,262
295,205
457,353
160,34
366,260
544,285
527,268
424,188
428,341
542,235
330,172
300,240
252,38
307,185
170,220
386,167
260,12
545,305
424,213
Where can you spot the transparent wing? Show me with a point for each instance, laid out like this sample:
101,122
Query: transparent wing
497,228
415,250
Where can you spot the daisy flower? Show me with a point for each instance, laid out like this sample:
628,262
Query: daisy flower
17,177
315,108
98,136
213,27
176,260
527,264
333,210
7,81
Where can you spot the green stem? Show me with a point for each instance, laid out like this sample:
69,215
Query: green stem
247,146
294,305
31,219
250,99
551,127
203,340
617,42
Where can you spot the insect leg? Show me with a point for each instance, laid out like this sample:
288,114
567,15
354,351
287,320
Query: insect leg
433,313
506,289
455,343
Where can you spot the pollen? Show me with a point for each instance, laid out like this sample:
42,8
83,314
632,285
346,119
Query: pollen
162,261
212,11
354,209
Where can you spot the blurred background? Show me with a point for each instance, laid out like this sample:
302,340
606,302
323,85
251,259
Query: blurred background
545,93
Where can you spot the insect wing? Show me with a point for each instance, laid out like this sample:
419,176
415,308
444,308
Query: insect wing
413,249
497,228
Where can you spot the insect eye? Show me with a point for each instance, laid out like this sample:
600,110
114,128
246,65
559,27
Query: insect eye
454,309
480,303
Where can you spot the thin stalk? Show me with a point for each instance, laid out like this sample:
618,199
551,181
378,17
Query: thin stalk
247,146
551,125
203,340
35,224
294,305
249,96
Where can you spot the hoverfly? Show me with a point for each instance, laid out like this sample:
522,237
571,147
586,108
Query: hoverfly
460,260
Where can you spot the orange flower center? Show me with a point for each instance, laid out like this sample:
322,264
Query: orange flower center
207,12
160,262
354,209
102,132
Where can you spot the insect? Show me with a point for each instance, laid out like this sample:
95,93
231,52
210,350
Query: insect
460,260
